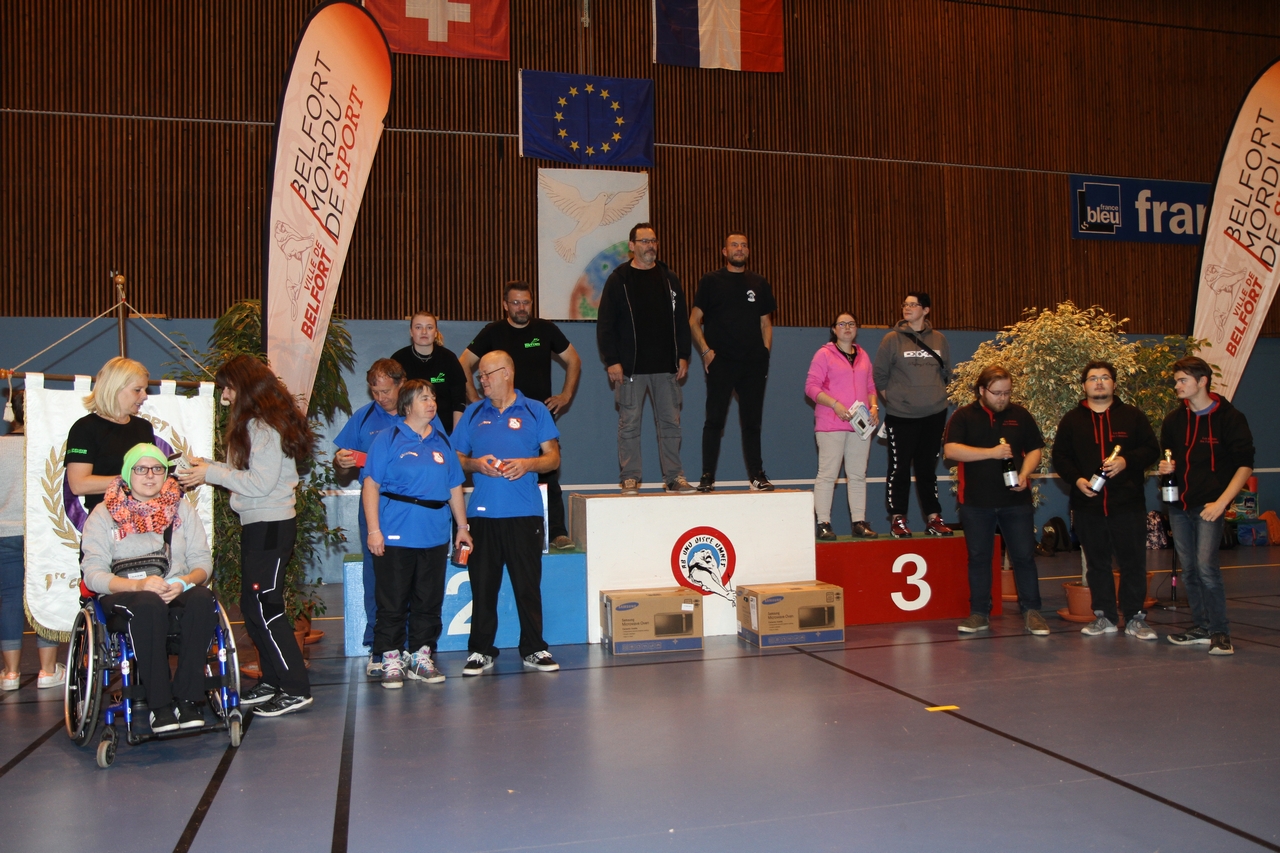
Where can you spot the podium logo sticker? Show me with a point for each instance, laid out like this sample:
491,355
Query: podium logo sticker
1098,207
703,560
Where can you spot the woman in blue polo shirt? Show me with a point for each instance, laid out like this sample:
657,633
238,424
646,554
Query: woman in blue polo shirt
411,483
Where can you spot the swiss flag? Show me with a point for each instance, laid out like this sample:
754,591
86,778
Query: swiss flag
477,29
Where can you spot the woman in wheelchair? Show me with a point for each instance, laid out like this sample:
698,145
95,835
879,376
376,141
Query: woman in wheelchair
147,556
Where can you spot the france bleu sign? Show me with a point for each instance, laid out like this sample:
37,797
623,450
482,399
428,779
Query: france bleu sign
1137,210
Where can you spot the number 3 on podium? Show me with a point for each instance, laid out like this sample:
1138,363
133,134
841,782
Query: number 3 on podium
916,579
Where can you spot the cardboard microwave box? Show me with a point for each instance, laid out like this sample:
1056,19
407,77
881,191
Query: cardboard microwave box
791,614
650,620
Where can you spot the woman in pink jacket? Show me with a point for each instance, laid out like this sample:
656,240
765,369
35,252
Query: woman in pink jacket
840,378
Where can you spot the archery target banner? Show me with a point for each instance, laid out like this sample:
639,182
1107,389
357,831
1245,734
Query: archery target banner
55,516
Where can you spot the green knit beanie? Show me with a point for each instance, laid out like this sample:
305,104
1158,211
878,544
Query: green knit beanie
141,451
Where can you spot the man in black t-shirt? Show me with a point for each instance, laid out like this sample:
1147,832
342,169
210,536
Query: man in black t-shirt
983,438
733,332
643,336
532,343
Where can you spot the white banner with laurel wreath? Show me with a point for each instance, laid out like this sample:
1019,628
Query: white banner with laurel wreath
53,522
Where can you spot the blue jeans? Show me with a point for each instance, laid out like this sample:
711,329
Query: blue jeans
1197,542
12,619
1016,525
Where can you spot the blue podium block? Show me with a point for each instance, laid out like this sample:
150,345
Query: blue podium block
353,606
564,605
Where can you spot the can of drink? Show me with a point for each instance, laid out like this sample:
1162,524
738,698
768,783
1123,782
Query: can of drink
461,555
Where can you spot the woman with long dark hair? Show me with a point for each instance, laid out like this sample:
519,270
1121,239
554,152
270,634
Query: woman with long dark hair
267,436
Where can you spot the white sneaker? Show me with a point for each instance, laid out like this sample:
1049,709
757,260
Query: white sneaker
392,671
10,680
374,666
52,679
1138,627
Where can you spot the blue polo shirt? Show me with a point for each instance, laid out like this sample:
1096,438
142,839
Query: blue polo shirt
405,463
364,426
516,433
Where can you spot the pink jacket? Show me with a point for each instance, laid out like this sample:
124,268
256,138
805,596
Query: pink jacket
830,371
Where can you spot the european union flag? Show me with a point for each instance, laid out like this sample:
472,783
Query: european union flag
577,118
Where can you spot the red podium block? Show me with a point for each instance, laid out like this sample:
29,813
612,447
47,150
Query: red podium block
903,580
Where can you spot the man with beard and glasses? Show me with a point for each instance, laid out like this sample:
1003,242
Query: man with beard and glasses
989,436
1111,522
644,342
531,343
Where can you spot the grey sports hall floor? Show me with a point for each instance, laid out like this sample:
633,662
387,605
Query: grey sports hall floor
1060,743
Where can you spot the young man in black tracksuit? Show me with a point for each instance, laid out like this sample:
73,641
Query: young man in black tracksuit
1212,459
643,338
1112,521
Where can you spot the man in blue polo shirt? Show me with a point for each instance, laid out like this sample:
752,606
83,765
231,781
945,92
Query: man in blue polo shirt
506,440
385,377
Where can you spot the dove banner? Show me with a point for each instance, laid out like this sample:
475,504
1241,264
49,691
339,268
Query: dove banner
327,133
584,218
1242,238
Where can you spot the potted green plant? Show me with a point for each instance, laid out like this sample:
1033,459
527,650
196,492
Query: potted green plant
239,332
1044,353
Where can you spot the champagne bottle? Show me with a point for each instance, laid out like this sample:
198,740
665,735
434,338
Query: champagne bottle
1099,481
1169,482
1010,475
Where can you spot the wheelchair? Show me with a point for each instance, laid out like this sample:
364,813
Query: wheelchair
101,686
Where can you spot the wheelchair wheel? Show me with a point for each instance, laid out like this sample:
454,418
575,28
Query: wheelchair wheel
107,748
235,728
82,695
233,665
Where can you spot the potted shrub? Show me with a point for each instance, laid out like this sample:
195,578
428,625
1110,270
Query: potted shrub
1044,353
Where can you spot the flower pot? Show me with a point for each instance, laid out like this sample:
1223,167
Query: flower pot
1079,603
1148,602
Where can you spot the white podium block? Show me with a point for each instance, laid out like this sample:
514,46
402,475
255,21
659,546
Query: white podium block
709,543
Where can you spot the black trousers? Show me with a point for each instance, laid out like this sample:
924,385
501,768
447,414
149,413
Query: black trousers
516,543
747,378
410,578
1122,535
555,504
914,443
148,621
265,549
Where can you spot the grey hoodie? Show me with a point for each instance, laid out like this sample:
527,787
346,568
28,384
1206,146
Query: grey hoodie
265,492
102,545
911,382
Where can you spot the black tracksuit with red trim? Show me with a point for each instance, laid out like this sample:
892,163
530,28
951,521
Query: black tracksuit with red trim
1084,441
1207,449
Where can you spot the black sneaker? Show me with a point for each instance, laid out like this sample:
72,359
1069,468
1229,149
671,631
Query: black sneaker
261,693
707,483
1195,637
541,661
825,533
477,664
1220,644
189,716
283,704
760,483
163,720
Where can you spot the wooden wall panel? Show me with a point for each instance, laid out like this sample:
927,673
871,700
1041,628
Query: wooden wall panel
910,144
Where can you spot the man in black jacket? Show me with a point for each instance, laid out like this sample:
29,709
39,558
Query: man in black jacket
643,338
1212,460
1111,521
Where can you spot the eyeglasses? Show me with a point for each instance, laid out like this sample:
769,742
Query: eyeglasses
1099,379
140,470
647,242
849,325
998,394
491,372
912,305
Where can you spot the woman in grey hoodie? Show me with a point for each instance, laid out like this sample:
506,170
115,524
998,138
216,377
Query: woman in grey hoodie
266,438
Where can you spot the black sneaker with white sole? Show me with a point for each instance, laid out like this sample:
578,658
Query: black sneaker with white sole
541,661
1195,637
163,720
189,716
477,664
261,693
282,704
